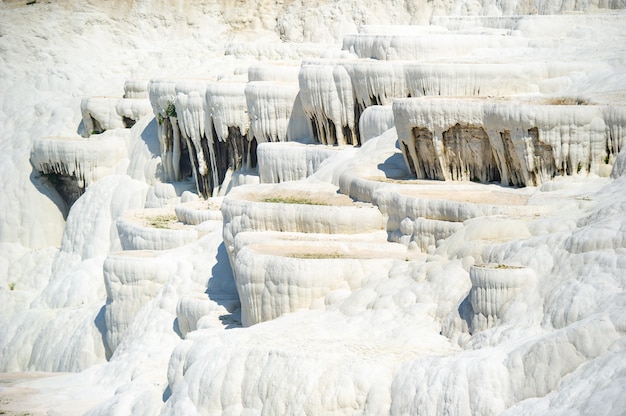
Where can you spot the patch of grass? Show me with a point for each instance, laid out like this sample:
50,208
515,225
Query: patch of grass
163,221
567,101
292,200
407,180
12,286
315,256
502,266
170,111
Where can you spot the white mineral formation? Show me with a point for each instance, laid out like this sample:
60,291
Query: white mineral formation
370,272
228,121
133,109
100,114
493,285
311,271
162,95
283,162
131,279
514,142
374,121
84,160
153,229
136,88
197,212
274,71
276,113
286,207
191,118
427,46
326,94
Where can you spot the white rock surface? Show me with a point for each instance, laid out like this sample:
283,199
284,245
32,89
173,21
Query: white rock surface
517,143
286,207
136,88
404,339
153,229
132,109
100,114
374,121
275,112
131,280
86,160
283,162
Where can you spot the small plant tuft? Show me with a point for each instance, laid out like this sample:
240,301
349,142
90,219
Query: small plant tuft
292,200
170,111
315,256
567,101
506,266
163,221
12,286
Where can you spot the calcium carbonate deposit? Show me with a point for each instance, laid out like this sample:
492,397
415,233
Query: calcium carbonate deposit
311,208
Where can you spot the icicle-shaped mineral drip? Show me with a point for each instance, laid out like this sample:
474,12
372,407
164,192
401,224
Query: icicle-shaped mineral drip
615,119
87,160
165,139
421,124
162,95
191,113
226,103
377,82
228,117
328,101
270,107
530,141
175,151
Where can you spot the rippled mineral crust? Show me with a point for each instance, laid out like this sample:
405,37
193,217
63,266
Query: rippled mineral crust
312,208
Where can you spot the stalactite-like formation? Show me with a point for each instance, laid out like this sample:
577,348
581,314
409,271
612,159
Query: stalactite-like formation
523,143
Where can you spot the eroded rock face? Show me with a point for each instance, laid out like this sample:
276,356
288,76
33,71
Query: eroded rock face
203,130
521,143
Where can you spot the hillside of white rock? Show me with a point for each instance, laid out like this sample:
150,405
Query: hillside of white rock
315,208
